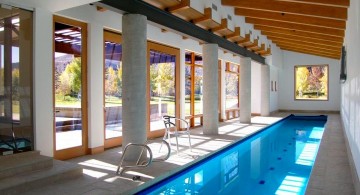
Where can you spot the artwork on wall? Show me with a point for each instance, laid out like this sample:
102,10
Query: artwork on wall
275,86
311,82
272,86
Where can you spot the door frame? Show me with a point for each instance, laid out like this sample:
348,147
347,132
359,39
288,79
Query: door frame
83,149
173,51
115,37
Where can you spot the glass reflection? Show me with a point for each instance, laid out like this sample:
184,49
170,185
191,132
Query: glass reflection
232,91
16,122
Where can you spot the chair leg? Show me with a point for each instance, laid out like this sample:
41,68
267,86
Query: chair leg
164,138
177,144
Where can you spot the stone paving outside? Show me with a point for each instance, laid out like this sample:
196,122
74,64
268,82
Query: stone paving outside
331,173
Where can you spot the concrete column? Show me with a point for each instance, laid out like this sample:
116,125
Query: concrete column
134,82
95,87
265,90
245,90
43,84
210,89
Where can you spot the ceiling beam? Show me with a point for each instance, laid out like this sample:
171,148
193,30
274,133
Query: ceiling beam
292,18
307,46
299,27
299,33
175,23
333,56
307,49
304,39
337,3
304,42
290,7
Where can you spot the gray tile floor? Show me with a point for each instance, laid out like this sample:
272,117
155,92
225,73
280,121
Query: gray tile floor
331,173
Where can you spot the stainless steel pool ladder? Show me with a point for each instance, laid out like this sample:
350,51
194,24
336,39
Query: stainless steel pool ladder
144,163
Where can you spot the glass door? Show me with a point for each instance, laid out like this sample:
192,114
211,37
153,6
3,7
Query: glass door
163,68
70,92
112,89
16,109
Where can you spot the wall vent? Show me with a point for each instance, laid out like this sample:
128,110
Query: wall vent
214,7
229,17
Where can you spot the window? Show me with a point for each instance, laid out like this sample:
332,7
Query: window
311,82
194,88
232,90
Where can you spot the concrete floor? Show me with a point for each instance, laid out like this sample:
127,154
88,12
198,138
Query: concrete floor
331,173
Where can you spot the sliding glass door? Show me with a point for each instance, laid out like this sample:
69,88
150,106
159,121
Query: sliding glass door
163,65
112,89
69,91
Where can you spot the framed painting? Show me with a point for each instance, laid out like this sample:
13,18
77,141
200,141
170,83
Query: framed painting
311,82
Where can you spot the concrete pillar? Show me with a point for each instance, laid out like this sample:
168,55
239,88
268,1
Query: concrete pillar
134,82
210,89
43,84
95,87
265,90
245,90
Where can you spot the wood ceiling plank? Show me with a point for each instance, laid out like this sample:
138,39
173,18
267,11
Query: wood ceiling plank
298,27
290,7
299,33
302,38
307,48
293,18
337,3
303,42
333,56
305,45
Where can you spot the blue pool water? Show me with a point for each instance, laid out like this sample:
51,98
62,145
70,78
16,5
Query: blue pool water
276,160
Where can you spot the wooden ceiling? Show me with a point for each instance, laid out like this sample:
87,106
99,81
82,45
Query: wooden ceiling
314,27
205,20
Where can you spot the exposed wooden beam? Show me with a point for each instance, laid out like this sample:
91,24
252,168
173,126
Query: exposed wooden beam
223,26
305,45
299,27
207,16
261,48
100,9
307,49
290,7
292,18
337,3
304,42
254,44
304,39
245,40
236,33
299,33
333,56
184,4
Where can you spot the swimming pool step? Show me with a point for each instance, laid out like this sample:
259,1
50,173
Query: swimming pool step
11,165
27,181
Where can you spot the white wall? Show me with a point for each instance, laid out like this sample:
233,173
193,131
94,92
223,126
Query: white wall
255,87
274,95
350,90
286,83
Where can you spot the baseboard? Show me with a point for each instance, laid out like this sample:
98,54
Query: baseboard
96,150
312,111
355,176
255,114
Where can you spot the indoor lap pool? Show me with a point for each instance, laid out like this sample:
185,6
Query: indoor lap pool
276,160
